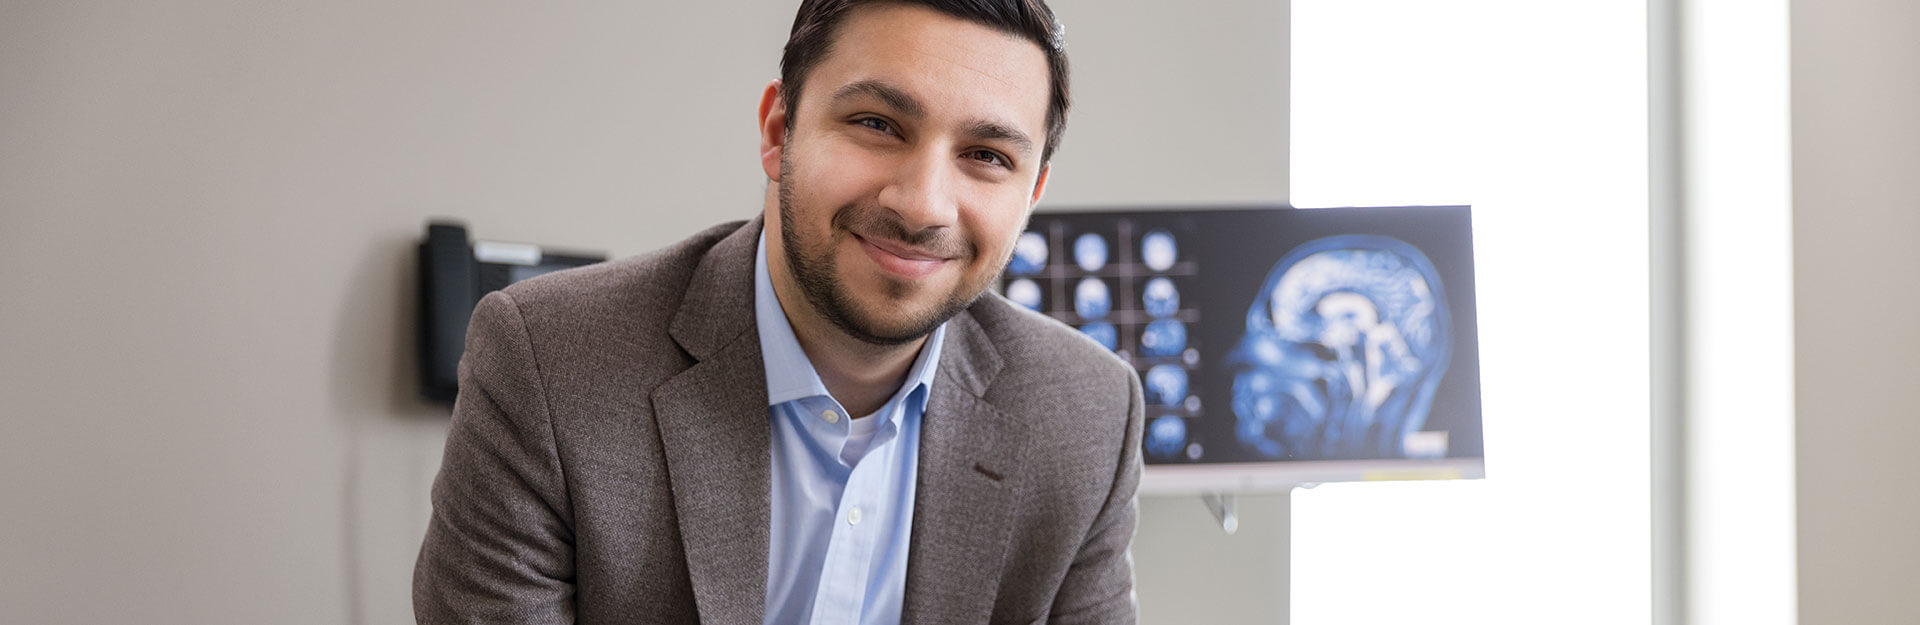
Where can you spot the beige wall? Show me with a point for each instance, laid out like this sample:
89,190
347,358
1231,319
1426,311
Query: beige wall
207,212
1856,205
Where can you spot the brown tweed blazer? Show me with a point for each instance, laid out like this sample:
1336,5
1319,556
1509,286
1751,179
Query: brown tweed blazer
609,458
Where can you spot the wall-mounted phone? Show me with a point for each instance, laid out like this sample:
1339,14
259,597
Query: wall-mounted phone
455,272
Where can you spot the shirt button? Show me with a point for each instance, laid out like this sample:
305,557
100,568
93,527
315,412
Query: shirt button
831,416
853,516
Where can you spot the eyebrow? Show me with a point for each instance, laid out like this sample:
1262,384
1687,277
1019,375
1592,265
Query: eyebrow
893,96
992,131
909,106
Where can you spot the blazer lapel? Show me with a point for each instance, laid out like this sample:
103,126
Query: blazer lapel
716,436
970,463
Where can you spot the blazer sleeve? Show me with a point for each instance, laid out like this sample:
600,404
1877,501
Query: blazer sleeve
1098,588
499,547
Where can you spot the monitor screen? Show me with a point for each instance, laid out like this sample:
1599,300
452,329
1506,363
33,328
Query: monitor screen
1276,346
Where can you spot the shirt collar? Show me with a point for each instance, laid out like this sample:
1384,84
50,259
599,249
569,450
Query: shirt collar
790,375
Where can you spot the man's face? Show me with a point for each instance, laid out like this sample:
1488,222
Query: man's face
910,167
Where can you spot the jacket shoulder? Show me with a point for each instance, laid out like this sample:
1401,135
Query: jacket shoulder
1045,357
613,317
657,279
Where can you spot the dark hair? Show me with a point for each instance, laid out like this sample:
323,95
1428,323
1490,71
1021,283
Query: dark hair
819,20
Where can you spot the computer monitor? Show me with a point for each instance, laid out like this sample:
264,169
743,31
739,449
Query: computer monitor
1276,346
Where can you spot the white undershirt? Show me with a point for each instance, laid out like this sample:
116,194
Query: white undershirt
859,435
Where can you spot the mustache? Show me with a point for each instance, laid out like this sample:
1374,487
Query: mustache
873,222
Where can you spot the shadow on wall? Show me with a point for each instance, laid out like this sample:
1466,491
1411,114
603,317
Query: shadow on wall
394,436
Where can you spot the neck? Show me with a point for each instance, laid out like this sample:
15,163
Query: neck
860,375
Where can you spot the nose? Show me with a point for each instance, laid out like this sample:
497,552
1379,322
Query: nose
922,192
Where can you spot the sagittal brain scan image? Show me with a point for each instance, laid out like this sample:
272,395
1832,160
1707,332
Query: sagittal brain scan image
1345,344
1274,335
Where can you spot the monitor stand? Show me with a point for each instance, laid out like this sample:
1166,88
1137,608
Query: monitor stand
1189,568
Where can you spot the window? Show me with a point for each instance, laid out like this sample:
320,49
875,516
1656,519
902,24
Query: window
1535,113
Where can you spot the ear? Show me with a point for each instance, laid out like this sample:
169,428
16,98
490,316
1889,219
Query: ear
773,129
1040,186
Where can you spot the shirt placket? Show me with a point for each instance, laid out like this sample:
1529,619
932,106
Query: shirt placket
859,522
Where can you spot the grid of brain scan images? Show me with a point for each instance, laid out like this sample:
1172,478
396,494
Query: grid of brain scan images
1119,281
1264,335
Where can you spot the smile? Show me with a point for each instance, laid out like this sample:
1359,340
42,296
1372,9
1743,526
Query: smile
900,260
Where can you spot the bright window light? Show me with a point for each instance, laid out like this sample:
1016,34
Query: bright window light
1535,113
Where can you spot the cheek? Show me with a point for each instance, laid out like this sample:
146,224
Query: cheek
831,176
997,229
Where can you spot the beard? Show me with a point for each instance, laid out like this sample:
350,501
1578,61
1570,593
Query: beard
814,267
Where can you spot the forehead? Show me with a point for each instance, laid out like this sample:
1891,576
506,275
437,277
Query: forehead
956,68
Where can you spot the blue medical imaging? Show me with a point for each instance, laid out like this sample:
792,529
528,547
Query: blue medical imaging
1159,298
1091,299
1090,252
1166,436
1166,385
1158,250
1165,337
1103,333
1029,254
1025,293
1266,335
1344,347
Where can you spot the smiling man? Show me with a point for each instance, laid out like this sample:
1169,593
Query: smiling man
819,415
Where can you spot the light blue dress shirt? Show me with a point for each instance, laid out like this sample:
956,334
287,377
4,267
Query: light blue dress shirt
842,509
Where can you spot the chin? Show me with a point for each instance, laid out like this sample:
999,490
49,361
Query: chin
886,316
889,309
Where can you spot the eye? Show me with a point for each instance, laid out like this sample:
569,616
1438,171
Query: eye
990,157
875,123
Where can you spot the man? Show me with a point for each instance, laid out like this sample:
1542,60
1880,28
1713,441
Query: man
824,422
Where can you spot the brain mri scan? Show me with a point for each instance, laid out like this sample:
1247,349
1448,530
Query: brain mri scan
1166,436
1158,250
1029,254
1165,337
1345,344
1318,342
1166,385
1090,252
1103,333
1091,300
1159,298
1025,293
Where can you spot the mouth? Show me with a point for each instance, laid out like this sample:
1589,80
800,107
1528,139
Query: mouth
901,260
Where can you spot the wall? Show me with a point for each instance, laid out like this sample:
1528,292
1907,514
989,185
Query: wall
1856,211
207,212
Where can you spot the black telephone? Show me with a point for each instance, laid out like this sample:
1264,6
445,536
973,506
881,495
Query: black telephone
455,273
